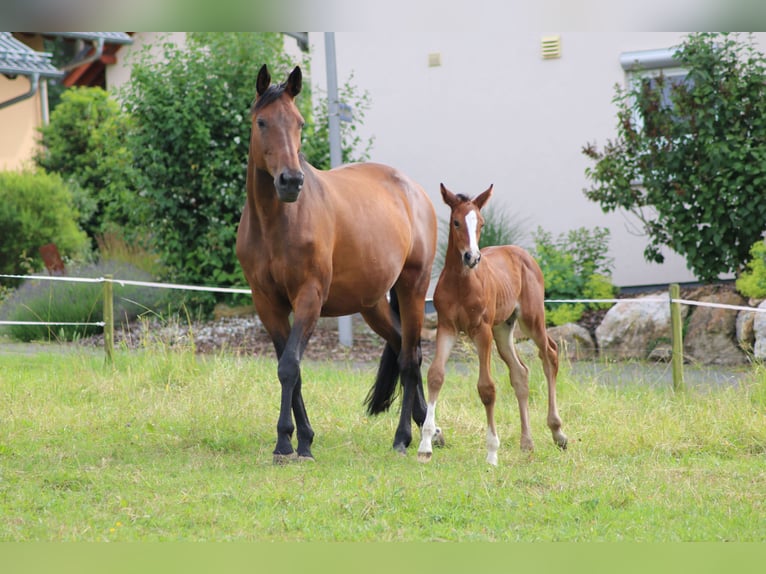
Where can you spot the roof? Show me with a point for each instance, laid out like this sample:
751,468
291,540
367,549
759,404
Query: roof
107,37
16,58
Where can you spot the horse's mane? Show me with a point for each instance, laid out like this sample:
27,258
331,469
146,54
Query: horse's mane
272,93
462,198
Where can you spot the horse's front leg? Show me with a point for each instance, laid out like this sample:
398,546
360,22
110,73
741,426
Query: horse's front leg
289,354
486,387
445,340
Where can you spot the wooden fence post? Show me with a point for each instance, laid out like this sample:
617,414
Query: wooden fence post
109,318
677,338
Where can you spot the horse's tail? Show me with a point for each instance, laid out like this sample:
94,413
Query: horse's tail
383,392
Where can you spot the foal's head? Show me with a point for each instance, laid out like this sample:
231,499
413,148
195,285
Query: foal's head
276,133
465,224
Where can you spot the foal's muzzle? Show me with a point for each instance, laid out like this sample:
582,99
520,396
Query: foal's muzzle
471,260
288,184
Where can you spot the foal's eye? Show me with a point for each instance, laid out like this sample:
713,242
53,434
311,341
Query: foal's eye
456,223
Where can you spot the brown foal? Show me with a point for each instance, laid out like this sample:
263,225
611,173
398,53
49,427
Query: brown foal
483,293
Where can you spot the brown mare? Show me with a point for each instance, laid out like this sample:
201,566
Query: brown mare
330,243
483,294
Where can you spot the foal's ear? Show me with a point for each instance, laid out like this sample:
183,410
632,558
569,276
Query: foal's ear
294,82
449,198
480,200
263,81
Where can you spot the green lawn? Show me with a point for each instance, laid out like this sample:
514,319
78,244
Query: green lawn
166,445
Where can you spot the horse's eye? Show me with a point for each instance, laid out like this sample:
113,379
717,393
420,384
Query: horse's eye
261,123
301,125
456,223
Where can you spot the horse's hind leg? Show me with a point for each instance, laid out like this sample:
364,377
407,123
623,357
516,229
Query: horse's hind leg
410,290
519,375
550,358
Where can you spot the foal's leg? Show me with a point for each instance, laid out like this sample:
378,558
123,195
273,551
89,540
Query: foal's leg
534,325
445,340
550,357
486,388
519,375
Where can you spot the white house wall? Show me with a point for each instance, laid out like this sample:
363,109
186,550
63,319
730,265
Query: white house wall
495,112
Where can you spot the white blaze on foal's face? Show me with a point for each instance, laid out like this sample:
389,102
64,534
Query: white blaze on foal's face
472,256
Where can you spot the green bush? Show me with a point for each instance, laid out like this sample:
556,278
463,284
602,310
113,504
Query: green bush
697,148
65,301
86,143
752,281
575,266
190,139
36,209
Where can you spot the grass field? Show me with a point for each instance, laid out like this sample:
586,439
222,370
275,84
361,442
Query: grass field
166,445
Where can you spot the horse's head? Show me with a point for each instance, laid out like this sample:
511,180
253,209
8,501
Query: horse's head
275,140
465,224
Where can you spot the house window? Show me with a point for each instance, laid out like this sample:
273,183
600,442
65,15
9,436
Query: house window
644,68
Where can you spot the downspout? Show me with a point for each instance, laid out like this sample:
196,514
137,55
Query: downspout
34,81
44,111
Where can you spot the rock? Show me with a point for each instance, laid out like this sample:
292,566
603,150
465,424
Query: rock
759,331
574,341
632,330
744,330
710,337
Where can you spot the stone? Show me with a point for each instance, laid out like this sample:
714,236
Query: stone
574,341
710,336
759,331
744,330
632,329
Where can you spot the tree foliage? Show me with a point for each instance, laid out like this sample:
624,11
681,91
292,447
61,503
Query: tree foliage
191,114
575,265
36,208
692,168
85,143
190,110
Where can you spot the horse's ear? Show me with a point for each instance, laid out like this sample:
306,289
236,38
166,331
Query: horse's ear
480,200
294,82
449,198
263,81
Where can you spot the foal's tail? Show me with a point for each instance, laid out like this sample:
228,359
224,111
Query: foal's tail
383,392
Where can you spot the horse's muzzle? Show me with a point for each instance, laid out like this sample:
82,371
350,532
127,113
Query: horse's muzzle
288,185
471,260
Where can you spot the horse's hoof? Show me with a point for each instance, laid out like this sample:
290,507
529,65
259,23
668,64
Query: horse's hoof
438,439
306,458
400,449
424,457
281,459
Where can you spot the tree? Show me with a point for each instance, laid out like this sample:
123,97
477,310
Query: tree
692,166
85,143
191,114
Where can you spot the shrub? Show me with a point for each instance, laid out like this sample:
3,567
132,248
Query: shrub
64,301
697,148
752,281
575,266
86,142
190,138
36,209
